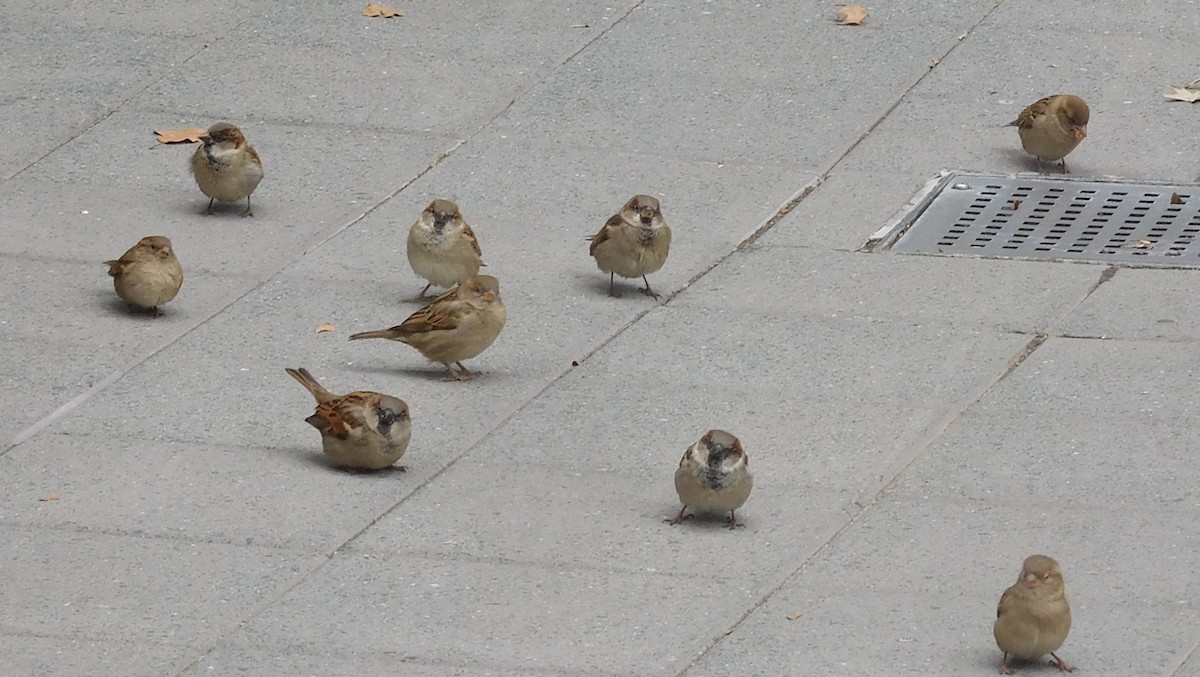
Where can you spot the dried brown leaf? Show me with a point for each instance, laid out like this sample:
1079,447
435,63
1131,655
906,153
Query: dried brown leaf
851,15
1176,199
54,496
1012,205
325,327
191,135
1142,244
794,616
375,9
1186,94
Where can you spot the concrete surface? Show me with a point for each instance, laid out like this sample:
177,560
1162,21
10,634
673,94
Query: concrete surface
917,425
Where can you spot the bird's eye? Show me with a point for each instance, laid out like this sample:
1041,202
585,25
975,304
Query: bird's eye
386,417
1046,576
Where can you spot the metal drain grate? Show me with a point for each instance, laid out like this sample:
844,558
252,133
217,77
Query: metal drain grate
1028,217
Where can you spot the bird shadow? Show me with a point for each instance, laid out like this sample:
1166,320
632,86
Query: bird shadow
320,460
114,305
704,520
599,287
431,374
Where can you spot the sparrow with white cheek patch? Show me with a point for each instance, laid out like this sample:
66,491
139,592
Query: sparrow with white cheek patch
1051,127
359,431
442,248
148,275
1033,617
226,167
458,325
633,243
713,476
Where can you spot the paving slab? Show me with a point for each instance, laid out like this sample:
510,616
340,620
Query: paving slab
1140,305
307,663
505,615
50,656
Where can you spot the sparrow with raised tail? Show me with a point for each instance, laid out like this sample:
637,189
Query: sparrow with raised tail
1051,127
713,476
457,326
148,275
442,248
1033,617
226,167
633,243
359,431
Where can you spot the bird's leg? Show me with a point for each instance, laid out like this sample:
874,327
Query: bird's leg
733,523
680,517
421,294
1060,663
1005,668
456,374
648,291
155,312
1063,165
209,211
612,290
1041,170
249,210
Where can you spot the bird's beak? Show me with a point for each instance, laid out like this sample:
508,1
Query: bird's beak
1031,580
647,215
489,296
1081,133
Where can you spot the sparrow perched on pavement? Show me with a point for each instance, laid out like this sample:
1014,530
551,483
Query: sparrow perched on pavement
226,167
1033,617
713,476
359,431
633,243
442,248
457,326
148,275
1051,127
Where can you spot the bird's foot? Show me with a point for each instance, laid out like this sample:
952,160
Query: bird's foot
678,518
1060,663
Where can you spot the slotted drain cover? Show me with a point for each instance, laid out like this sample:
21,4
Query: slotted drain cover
1035,217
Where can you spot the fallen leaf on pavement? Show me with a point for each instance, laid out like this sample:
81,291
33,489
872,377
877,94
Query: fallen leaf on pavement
191,135
792,617
324,328
1185,93
375,9
851,15
50,497
1176,199
1142,244
1012,205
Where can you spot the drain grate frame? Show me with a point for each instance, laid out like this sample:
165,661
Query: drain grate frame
1036,217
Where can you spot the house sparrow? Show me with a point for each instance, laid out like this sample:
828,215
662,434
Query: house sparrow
148,275
1033,617
458,325
632,243
1052,127
359,431
713,476
226,167
441,246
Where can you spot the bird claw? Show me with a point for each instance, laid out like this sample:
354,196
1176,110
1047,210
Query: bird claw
678,518
650,292
1059,663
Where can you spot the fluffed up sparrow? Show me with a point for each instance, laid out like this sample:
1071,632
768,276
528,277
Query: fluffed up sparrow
713,476
457,326
148,275
442,248
1051,127
633,243
359,431
1033,617
226,167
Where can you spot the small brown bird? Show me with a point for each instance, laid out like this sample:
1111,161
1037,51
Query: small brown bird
633,243
148,275
359,431
226,167
1051,127
442,248
457,326
1033,617
713,476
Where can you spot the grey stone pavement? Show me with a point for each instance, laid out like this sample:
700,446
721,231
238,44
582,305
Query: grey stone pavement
917,425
